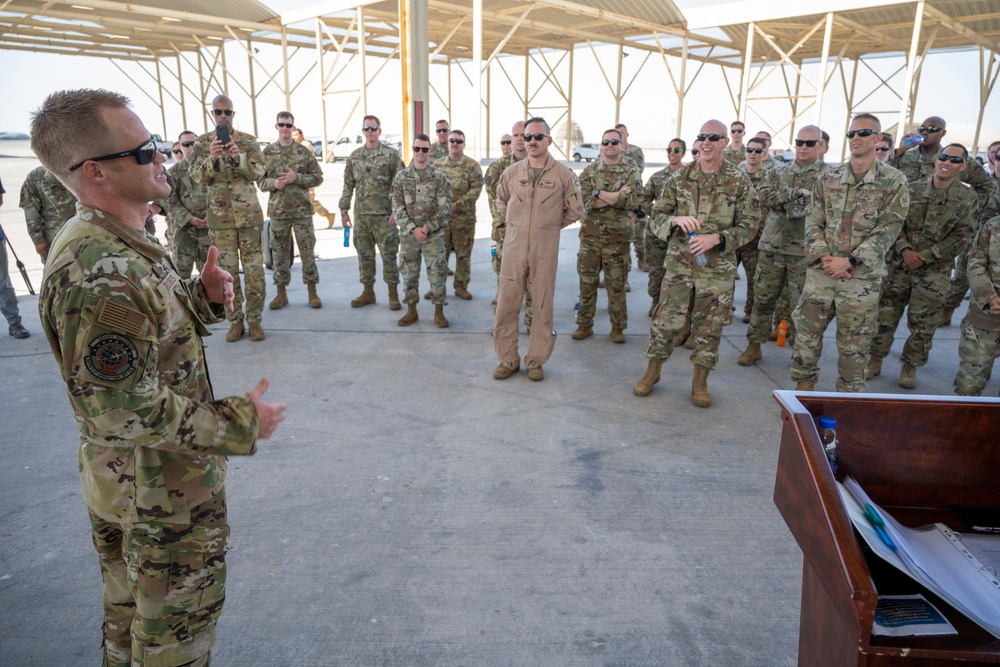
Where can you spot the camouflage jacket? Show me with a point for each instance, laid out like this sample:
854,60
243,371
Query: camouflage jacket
635,154
610,223
491,181
939,226
726,204
466,180
991,208
755,178
292,201
984,274
232,191
917,167
187,198
784,228
847,218
47,205
654,186
126,333
421,198
368,177
438,151
734,156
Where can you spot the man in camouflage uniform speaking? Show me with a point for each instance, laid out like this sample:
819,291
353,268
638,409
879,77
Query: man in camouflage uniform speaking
47,206
235,220
290,169
466,180
187,209
855,216
707,208
421,203
126,332
368,178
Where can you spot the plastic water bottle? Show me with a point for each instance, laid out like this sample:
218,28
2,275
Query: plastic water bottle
828,436
347,237
493,250
909,142
782,333
576,308
700,260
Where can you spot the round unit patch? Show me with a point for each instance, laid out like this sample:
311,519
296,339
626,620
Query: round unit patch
112,357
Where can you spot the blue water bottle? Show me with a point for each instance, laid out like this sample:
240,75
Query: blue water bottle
701,260
576,308
347,237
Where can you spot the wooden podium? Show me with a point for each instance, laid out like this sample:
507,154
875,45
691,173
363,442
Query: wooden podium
916,457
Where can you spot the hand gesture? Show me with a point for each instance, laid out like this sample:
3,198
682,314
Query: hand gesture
269,415
688,223
218,283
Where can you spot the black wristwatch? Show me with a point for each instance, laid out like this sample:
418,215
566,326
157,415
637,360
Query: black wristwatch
853,260
597,192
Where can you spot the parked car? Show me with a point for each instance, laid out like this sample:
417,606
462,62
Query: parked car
161,145
586,152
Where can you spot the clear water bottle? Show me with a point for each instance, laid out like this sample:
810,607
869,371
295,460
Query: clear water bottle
914,140
828,436
701,260
576,308
347,237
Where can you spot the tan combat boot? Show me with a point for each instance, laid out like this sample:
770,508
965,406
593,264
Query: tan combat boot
908,376
582,332
689,343
874,367
331,220
699,387
280,299
750,355
805,385
256,332
652,308
439,319
682,336
773,336
617,336
410,317
652,375
536,374
463,293
394,298
235,332
367,297
314,300
502,372
946,318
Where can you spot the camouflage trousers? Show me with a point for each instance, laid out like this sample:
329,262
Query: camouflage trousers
978,348
459,236
164,587
656,254
639,227
236,247
854,302
370,231
775,272
959,283
712,311
189,245
783,309
922,294
593,257
281,249
748,256
499,234
432,250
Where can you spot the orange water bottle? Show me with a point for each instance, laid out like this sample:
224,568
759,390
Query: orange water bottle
782,333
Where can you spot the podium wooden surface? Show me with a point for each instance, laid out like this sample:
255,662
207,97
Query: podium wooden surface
916,457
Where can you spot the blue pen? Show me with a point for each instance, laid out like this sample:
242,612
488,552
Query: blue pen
879,525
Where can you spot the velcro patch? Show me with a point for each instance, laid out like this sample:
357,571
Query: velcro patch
111,357
122,318
546,183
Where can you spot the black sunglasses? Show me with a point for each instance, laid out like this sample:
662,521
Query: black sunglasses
143,155
710,137
736,130
176,151
675,150
860,133
758,151
806,142
694,152
883,149
929,129
187,144
536,137
441,130
422,149
286,125
611,142
456,141
370,128
954,159
219,112
505,143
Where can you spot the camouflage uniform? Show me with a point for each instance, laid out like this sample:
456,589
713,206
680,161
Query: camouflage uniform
782,241
727,205
370,173
438,150
188,244
466,179
655,249
734,156
604,237
234,217
748,255
960,282
979,345
638,158
939,225
422,198
847,219
126,333
490,182
290,208
47,205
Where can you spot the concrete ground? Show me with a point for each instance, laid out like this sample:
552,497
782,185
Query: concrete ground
414,511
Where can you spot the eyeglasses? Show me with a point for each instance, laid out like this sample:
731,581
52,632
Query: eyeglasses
441,130
758,151
187,144
286,125
882,149
806,142
176,151
710,137
536,137
860,133
675,150
736,131
370,128
611,142
954,159
929,129
219,112
143,155
456,141
505,143
421,149
694,153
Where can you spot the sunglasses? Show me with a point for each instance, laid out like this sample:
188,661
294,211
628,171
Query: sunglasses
187,144
505,143
929,129
882,149
456,141
806,142
675,150
611,142
441,130
143,155
219,112
536,137
758,151
286,125
176,151
421,149
370,128
710,137
954,159
860,133
736,131
694,153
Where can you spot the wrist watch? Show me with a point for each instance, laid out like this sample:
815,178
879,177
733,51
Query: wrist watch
853,260
597,192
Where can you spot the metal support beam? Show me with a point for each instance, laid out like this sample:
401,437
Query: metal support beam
745,79
905,109
477,68
827,36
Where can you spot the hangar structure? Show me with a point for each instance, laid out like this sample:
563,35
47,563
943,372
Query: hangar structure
175,51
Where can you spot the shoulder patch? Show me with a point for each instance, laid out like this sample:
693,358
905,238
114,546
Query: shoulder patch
111,357
123,318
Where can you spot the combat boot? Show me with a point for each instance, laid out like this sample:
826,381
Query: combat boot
908,376
256,332
280,299
652,308
410,317
463,293
773,336
652,375
750,355
689,343
502,372
617,335
805,385
699,387
394,298
746,318
439,319
367,297
682,336
582,332
874,367
946,318
628,286
331,220
235,332
314,300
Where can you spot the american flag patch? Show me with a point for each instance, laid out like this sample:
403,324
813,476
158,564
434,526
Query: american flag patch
122,318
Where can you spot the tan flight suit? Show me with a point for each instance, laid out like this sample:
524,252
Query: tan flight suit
535,209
